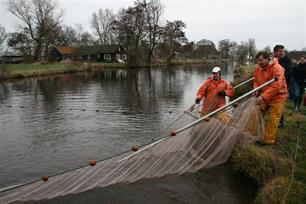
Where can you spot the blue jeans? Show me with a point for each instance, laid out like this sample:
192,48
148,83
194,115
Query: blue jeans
298,93
290,86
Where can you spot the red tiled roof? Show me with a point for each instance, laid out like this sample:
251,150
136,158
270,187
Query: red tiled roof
66,50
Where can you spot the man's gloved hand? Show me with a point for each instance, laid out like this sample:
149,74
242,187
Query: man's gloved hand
256,94
222,93
191,108
197,101
259,100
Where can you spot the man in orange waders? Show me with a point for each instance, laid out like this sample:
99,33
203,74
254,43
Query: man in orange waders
213,91
271,98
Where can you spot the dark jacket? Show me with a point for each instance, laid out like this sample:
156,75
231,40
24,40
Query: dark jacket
286,63
299,74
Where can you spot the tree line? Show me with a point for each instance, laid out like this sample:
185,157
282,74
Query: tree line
138,28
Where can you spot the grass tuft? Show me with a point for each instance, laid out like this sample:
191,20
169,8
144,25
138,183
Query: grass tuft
275,192
260,164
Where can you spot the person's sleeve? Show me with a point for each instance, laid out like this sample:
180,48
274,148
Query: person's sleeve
229,90
288,72
255,81
276,86
202,92
302,70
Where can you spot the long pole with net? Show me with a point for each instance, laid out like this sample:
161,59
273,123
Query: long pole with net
201,119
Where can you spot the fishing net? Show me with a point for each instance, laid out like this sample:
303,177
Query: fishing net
204,145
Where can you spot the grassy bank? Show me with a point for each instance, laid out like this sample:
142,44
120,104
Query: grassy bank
271,166
18,71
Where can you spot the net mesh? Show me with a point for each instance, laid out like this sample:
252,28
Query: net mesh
206,144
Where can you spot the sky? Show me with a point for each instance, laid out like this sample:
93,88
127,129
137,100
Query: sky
270,22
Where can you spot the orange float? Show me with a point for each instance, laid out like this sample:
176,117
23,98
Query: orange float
173,133
207,119
135,148
45,178
92,162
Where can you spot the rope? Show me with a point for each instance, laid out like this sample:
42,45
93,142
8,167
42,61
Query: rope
293,166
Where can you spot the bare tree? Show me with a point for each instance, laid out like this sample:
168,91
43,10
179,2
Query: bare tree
70,36
138,15
251,49
268,49
124,32
138,28
86,39
204,49
131,31
189,49
83,38
39,17
3,36
224,48
153,14
233,50
242,52
246,51
21,43
101,22
66,36
173,37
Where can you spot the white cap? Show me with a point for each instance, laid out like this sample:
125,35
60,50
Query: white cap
215,70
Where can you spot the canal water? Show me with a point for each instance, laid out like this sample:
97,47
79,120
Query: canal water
53,124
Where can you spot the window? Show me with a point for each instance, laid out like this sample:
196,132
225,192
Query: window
124,56
118,56
107,57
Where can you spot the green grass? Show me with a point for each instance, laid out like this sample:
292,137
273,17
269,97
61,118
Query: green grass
295,126
17,68
11,71
276,191
260,164
15,71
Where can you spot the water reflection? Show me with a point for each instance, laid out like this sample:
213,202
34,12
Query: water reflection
4,91
55,123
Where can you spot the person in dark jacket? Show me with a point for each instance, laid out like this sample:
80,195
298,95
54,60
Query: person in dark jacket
285,62
299,76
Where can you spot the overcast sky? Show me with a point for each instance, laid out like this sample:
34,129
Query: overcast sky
270,22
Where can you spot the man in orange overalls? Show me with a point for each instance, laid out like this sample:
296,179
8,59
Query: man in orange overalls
213,91
271,98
